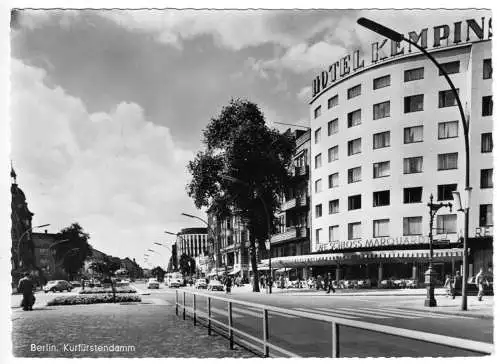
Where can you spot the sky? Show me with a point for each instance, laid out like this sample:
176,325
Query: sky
108,107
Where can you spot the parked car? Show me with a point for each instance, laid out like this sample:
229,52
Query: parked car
386,283
215,285
57,286
363,283
411,283
75,284
200,284
153,283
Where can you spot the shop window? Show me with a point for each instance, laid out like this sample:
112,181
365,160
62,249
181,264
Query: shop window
381,169
382,110
333,206
413,165
354,175
448,129
414,74
353,92
414,134
447,98
381,198
354,118
487,69
446,224
412,194
486,215
445,192
354,146
317,136
354,230
317,112
487,178
333,127
333,154
317,161
354,202
381,82
333,180
447,161
319,210
450,67
333,233
333,101
381,140
380,228
412,225
486,143
413,103
487,105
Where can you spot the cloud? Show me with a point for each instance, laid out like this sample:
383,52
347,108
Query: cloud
304,94
122,177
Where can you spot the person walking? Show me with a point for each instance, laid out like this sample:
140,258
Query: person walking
456,284
228,282
481,282
448,285
329,284
26,287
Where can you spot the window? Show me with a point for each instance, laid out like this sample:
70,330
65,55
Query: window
487,178
333,207
333,153
412,195
381,169
317,186
354,118
486,143
446,224
333,101
414,74
317,136
354,202
319,210
412,165
333,180
412,225
447,161
447,98
382,110
381,198
354,91
450,67
414,103
333,233
318,233
317,161
486,215
380,228
354,230
354,146
414,134
333,127
317,112
487,70
445,191
448,129
354,175
381,140
381,82
487,106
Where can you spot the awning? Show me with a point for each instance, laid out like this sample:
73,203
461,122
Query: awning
234,271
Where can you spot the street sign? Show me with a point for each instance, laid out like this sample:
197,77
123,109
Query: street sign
268,244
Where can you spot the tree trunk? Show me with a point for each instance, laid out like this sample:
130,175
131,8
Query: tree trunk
253,259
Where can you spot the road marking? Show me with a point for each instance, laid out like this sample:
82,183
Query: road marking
326,313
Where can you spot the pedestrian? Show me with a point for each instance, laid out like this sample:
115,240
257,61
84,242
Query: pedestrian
26,287
447,285
329,283
456,284
481,282
228,284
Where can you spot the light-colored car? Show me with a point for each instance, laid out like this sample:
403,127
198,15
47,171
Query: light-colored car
200,284
153,283
57,286
215,285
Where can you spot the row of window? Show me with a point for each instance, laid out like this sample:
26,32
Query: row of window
414,134
410,165
412,225
409,75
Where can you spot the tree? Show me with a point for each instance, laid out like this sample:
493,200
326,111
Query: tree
240,145
73,249
159,273
106,267
187,264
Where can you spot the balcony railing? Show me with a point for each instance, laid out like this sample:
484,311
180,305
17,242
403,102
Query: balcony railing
302,201
301,171
291,232
287,205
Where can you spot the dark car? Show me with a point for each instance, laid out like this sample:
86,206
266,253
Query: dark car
57,286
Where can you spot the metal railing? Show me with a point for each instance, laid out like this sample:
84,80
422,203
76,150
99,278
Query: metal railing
266,345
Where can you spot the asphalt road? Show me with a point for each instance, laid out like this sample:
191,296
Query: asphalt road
312,338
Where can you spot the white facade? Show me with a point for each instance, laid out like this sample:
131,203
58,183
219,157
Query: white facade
472,88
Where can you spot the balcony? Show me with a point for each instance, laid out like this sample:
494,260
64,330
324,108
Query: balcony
290,204
291,232
301,201
301,171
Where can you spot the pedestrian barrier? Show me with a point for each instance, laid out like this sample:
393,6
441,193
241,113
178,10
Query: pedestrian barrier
266,345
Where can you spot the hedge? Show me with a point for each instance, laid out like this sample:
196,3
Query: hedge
107,290
89,299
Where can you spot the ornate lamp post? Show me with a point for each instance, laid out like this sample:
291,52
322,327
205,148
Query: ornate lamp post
430,274
397,37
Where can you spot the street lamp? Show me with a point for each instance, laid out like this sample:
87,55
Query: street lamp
21,238
430,274
236,180
397,37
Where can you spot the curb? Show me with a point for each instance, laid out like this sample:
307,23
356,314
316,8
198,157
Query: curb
458,313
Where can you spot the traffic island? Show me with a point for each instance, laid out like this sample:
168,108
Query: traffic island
88,299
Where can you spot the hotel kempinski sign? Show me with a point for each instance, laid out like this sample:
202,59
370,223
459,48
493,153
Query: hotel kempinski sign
471,30
374,242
